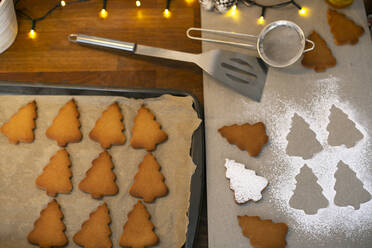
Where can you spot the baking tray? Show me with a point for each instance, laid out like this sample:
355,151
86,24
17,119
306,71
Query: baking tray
197,150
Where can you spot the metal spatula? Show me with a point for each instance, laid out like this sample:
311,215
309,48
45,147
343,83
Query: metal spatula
243,73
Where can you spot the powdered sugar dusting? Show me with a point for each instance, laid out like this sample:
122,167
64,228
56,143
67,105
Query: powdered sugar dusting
245,183
277,114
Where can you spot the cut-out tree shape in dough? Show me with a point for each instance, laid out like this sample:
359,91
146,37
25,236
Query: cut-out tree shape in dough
342,130
302,140
349,189
245,183
308,195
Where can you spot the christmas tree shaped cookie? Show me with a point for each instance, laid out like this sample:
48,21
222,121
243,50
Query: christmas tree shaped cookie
342,130
66,125
321,57
95,232
20,127
138,230
250,138
109,128
263,233
344,30
302,140
245,183
146,132
149,181
349,189
307,195
100,179
49,229
56,175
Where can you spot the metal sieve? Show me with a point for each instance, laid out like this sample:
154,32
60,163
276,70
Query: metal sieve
280,43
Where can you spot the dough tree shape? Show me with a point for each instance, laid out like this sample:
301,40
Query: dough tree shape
20,127
308,195
349,189
342,130
95,232
149,181
301,139
100,179
49,229
66,125
56,175
138,230
244,182
109,128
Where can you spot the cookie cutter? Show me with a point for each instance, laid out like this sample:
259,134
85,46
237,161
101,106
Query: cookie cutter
261,40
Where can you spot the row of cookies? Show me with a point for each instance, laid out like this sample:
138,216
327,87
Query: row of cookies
247,186
65,128
49,229
100,179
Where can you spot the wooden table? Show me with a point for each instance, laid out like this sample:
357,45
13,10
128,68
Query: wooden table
50,57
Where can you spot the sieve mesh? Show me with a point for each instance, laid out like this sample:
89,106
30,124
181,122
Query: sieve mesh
281,45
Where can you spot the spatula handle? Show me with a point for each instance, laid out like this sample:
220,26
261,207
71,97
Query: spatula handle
102,42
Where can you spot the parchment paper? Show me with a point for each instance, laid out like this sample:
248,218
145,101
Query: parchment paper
311,95
21,200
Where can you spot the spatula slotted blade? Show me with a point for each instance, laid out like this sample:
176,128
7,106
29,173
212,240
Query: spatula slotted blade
245,74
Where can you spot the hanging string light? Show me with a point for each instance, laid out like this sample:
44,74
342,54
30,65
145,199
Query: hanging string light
261,20
167,12
32,33
138,3
103,13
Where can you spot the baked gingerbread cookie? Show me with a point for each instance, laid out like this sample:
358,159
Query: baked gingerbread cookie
20,127
95,232
109,128
263,233
250,138
344,30
321,57
56,175
66,125
244,182
149,181
339,4
138,230
100,179
146,132
49,230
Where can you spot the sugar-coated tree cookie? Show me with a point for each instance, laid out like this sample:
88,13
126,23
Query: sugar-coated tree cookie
20,127
149,181
49,229
66,125
263,233
56,174
146,132
138,230
244,182
95,232
250,138
109,128
100,179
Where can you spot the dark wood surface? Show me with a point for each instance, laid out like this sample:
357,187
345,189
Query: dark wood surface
50,57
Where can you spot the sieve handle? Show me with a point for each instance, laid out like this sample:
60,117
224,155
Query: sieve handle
311,48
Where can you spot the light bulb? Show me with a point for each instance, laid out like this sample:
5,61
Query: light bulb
103,13
32,34
166,13
138,3
63,3
233,10
303,11
261,20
